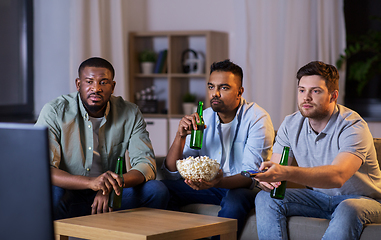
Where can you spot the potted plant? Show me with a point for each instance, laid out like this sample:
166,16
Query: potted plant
364,54
147,59
189,103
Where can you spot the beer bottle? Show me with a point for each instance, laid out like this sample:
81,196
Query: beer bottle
198,134
279,192
115,201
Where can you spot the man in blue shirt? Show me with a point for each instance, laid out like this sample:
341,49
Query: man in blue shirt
238,134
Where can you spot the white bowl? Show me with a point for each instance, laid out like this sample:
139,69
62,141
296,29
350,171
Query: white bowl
198,168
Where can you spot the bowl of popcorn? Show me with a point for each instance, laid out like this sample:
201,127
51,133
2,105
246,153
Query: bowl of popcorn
198,168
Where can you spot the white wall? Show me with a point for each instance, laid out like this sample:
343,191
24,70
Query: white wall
51,40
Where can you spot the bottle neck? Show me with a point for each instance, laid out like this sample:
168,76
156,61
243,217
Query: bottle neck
119,166
199,108
284,160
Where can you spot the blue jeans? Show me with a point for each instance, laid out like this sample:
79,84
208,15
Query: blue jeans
348,213
74,203
235,203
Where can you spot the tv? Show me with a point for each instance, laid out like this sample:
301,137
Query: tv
25,183
16,55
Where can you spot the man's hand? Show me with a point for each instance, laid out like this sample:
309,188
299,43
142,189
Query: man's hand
106,182
274,172
202,184
100,204
265,186
187,123
271,178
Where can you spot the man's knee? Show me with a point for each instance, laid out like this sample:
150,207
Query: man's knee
353,208
240,194
262,199
158,189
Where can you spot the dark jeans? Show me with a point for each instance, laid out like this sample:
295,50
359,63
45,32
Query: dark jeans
235,203
74,203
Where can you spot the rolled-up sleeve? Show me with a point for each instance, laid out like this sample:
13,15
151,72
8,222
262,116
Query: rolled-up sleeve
48,118
140,149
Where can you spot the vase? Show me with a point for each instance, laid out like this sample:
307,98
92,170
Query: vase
189,108
147,67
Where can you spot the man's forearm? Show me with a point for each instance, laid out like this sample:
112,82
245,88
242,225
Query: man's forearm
327,176
133,178
235,181
66,180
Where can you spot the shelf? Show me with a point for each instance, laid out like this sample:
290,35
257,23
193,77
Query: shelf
154,115
170,87
166,75
154,75
186,75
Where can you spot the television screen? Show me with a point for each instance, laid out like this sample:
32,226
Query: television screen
25,195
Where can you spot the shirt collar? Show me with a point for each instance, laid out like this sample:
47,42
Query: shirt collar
330,127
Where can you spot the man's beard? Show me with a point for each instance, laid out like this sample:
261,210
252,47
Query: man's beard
318,113
92,108
217,108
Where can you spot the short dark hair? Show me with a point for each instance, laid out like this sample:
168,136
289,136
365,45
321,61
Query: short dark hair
227,66
96,62
328,72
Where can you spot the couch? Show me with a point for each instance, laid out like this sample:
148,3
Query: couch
298,227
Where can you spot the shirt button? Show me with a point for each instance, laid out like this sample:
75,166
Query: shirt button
219,152
88,169
89,148
89,126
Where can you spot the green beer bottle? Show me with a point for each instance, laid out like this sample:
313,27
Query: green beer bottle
198,134
115,201
279,192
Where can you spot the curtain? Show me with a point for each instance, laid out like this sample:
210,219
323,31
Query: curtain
270,39
98,29
283,36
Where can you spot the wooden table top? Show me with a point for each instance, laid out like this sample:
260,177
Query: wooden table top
146,223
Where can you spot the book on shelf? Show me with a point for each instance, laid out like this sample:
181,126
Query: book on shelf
165,67
161,61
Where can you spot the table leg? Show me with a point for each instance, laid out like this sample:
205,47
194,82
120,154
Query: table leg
61,237
229,236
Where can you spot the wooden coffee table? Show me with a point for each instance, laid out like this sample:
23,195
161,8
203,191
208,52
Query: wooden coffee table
145,223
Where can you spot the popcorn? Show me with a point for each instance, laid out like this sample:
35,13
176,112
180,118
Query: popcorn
200,167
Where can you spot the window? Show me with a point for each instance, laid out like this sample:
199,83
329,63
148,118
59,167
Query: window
16,53
358,22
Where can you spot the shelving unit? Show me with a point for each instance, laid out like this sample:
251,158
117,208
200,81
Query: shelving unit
174,84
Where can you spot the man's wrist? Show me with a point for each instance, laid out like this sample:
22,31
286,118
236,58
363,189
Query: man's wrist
254,183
